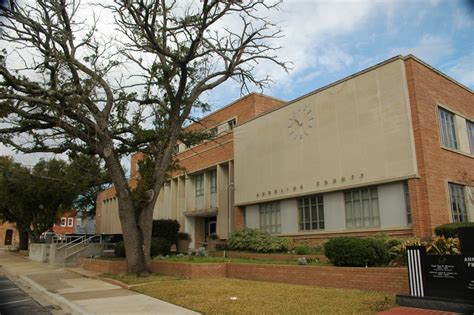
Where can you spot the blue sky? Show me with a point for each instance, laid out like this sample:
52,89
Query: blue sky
328,40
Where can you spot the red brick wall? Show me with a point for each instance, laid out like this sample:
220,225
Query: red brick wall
103,266
192,271
436,166
392,280
3,230
57,228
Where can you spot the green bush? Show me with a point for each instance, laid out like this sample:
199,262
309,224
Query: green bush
451,229
119,249
357,252
159,246
398,252
302,250
257,241
166,228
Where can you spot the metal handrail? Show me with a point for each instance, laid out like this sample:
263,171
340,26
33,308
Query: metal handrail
83,242
79,238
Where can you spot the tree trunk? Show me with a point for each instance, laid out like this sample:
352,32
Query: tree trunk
137,255
23,235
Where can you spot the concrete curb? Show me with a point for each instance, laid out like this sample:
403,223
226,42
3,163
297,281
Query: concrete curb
65,304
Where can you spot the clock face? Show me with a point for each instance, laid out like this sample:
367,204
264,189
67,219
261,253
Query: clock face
300,123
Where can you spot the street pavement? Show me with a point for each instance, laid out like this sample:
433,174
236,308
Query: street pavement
77,294
13,300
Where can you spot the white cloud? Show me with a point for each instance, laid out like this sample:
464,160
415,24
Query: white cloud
462,19
463,70
430,48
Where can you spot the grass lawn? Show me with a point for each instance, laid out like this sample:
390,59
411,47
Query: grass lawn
212,296
196,259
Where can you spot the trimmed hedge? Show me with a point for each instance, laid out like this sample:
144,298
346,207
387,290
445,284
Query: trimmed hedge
451,229
257,241
357,252
166,228
158,246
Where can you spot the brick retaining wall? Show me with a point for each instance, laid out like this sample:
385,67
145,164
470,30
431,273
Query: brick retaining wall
391,280
190,270
103,266
286,257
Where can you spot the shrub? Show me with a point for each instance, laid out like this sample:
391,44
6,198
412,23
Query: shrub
166,228
257,241
159,246
302,250
357,252
444,246
399,252
119,249
451,229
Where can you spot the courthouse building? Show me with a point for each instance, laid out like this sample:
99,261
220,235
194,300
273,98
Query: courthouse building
388,149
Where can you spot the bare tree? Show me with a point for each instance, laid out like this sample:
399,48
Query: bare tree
63,85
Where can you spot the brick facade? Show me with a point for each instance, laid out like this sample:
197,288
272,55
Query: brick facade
4,227
436,165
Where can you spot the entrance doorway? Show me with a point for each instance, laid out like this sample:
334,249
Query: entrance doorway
8,237
210,227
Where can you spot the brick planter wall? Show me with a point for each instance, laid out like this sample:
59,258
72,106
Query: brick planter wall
103,266
189,270
392,280
234,254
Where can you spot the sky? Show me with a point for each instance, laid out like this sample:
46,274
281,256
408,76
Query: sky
328,40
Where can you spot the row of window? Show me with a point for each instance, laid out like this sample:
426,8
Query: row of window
199,183
70,222
213,132
361,209
447,126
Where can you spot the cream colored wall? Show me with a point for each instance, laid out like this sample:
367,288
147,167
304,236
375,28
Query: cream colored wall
178,197
110,221
461,130
361,134
391,205
470,203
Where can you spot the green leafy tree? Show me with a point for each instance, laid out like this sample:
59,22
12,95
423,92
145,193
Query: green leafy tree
132,89
32,199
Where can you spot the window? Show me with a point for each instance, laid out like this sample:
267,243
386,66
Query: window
362,208
213,175
63,221
70,221
448,129
311,213
458,202
270,217
199,185
470,134
213,132
232,123
407,201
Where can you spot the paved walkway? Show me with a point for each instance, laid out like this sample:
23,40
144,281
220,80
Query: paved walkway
77,294
413,311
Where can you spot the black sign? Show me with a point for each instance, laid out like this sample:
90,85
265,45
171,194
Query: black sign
444,276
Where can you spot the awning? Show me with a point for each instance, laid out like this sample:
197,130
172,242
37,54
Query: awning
202,213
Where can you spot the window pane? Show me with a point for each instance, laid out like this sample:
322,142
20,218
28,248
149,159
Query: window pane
447,128
458,202
470,135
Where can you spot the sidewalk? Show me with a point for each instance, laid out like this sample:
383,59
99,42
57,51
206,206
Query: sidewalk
78,294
